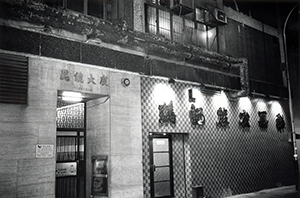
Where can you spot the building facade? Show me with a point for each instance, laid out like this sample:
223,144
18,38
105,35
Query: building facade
177,99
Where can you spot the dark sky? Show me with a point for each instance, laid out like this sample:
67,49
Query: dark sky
263,10
267,10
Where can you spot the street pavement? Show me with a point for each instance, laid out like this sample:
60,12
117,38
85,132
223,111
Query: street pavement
281,192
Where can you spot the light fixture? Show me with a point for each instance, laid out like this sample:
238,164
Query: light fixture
163,93
245,103
125,82
171,81
220,100
71,96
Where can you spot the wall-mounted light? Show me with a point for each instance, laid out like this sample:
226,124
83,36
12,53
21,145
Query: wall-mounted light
261,105
71,96
125,82
220,100
163,93
171,81
245,103
191,99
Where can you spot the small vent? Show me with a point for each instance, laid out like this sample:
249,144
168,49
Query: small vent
220,16
13,79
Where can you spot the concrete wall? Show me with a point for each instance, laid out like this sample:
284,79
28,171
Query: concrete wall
113,129
24,126
126,137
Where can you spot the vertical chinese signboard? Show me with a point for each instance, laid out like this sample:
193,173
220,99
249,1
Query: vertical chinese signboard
99,176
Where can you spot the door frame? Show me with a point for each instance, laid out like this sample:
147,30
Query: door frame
81,163
161,135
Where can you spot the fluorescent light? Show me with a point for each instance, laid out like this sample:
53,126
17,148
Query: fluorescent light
71,99
71,96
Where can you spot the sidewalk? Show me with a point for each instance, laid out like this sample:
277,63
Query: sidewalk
281,192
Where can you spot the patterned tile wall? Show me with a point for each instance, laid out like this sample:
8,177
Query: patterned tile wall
226,161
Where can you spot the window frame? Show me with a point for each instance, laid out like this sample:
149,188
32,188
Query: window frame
154,5
85,10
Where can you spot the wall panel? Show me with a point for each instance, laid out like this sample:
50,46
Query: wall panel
230,160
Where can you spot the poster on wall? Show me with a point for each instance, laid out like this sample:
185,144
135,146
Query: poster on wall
44,150
100,175
100,186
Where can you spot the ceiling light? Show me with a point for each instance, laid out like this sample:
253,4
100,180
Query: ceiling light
71,96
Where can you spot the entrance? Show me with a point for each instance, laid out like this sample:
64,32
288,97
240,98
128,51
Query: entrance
70,150
161,171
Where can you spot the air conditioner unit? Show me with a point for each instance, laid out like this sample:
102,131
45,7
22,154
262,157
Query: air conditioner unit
220,16
213,18
182,7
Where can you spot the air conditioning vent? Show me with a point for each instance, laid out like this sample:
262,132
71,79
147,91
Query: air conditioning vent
13,79
212,18
220,16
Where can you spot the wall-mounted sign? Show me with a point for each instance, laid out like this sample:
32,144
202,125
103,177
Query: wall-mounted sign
280,124
263,122
222,118
244,119
196,116
66,169
84,79
166,115
44,150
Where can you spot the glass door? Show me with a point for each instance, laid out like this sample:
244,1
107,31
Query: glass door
161,171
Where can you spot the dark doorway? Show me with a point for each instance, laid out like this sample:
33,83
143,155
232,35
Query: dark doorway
70,150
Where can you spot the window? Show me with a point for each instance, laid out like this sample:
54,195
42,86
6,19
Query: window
190,29
97,8
151,20
158,21
76,5
178,27
164,23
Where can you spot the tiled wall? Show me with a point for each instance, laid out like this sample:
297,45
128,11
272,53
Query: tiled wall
230,160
